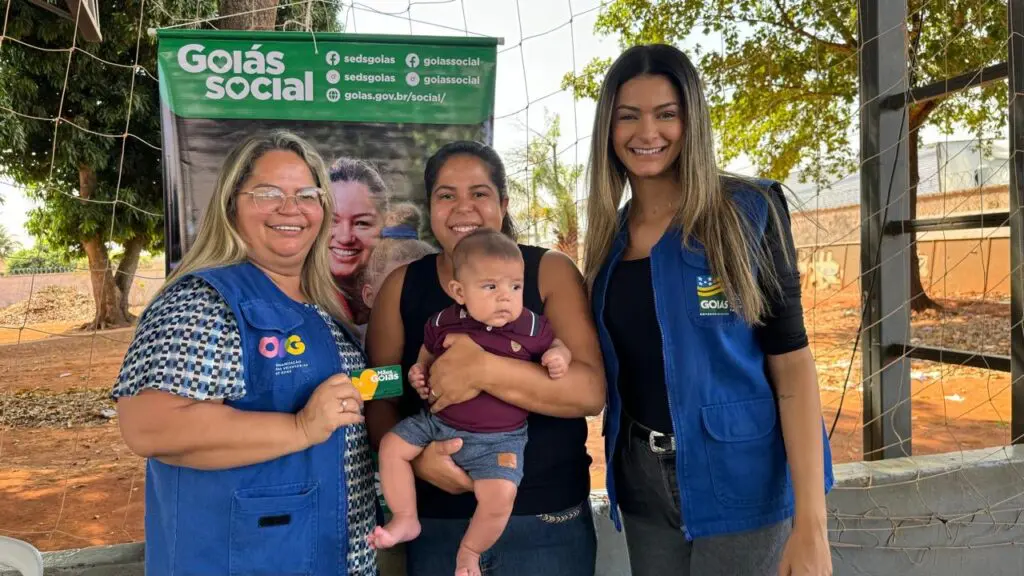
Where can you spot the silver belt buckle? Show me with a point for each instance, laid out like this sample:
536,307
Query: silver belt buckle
656,449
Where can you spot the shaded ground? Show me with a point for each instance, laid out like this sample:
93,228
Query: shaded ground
67,480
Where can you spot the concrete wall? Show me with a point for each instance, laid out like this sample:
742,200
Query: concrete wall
17,288
937,515
949,267
841,225
953,262
956,513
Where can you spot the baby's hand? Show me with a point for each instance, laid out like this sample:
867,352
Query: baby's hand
418,379
556,359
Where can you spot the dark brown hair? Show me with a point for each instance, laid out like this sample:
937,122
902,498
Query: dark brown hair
484,243
483,153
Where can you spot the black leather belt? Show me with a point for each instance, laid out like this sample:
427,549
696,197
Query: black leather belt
658,442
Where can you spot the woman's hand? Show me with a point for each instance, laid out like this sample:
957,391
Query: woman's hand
435,465
455,375
334,403
807,551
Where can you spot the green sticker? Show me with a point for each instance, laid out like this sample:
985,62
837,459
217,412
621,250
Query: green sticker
379,382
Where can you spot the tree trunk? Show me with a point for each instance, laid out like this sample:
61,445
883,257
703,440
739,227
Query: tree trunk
105,293
919,299
126,272
247,14
568,244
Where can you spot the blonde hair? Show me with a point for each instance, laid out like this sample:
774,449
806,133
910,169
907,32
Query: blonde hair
218,242
390,250
708,212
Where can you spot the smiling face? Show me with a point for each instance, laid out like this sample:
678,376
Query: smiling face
647,126
355,228
278,240
464,198
491,289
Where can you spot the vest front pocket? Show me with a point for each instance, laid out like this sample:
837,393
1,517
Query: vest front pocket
274,530
280,356
704,294
746,453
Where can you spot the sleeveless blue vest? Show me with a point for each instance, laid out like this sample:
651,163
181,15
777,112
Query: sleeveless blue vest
287,516
730,457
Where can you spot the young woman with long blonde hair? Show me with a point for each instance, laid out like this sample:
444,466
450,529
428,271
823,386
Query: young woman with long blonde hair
714,438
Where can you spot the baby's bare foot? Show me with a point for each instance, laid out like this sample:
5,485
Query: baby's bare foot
467,562
400,529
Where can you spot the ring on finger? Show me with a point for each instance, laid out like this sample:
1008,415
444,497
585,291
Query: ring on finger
433,394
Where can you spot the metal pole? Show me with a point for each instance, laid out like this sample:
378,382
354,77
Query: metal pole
1015,15
885,258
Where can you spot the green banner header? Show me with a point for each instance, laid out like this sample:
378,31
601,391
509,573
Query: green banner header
329,77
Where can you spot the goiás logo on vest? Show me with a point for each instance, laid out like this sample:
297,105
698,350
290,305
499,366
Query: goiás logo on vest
711,297
231,74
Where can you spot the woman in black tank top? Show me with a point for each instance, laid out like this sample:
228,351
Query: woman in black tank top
551,530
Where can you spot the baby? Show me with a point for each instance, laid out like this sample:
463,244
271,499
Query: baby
487,285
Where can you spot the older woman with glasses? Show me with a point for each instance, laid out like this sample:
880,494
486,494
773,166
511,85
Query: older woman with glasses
235,386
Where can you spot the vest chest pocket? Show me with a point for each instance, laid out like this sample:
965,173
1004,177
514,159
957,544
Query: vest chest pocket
704,294
745,451
274,530
277,351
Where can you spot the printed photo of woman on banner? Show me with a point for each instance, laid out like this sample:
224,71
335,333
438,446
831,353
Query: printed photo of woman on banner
360,201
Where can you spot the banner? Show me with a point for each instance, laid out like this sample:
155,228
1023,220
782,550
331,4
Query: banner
386,102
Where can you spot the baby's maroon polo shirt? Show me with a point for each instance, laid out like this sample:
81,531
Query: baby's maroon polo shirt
526,338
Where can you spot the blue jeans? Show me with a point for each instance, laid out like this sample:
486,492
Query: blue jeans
558,544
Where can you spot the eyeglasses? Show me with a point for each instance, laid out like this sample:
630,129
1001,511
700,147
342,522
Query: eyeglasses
270,199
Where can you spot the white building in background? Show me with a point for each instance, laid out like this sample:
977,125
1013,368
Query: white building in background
946,166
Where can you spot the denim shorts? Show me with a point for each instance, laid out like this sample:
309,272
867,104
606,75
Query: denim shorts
484,455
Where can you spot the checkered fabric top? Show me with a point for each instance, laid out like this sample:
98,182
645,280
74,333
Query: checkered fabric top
187,343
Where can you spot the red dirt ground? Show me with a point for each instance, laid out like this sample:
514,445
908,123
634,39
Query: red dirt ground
80,486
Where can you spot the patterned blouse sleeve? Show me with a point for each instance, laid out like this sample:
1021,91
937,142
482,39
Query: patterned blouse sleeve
187,343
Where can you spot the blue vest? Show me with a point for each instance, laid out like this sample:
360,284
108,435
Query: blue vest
730,458
287,516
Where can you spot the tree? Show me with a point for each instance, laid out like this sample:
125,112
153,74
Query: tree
782,78
269,15
543,189
8,245
95,187
247,14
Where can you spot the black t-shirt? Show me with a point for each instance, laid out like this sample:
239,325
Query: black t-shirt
556,466
636,336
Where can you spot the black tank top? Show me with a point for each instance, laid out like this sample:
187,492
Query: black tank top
556,465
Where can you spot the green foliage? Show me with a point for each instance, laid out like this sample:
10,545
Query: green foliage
8,245
97,97
543,189
37,259
127,200
782,76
